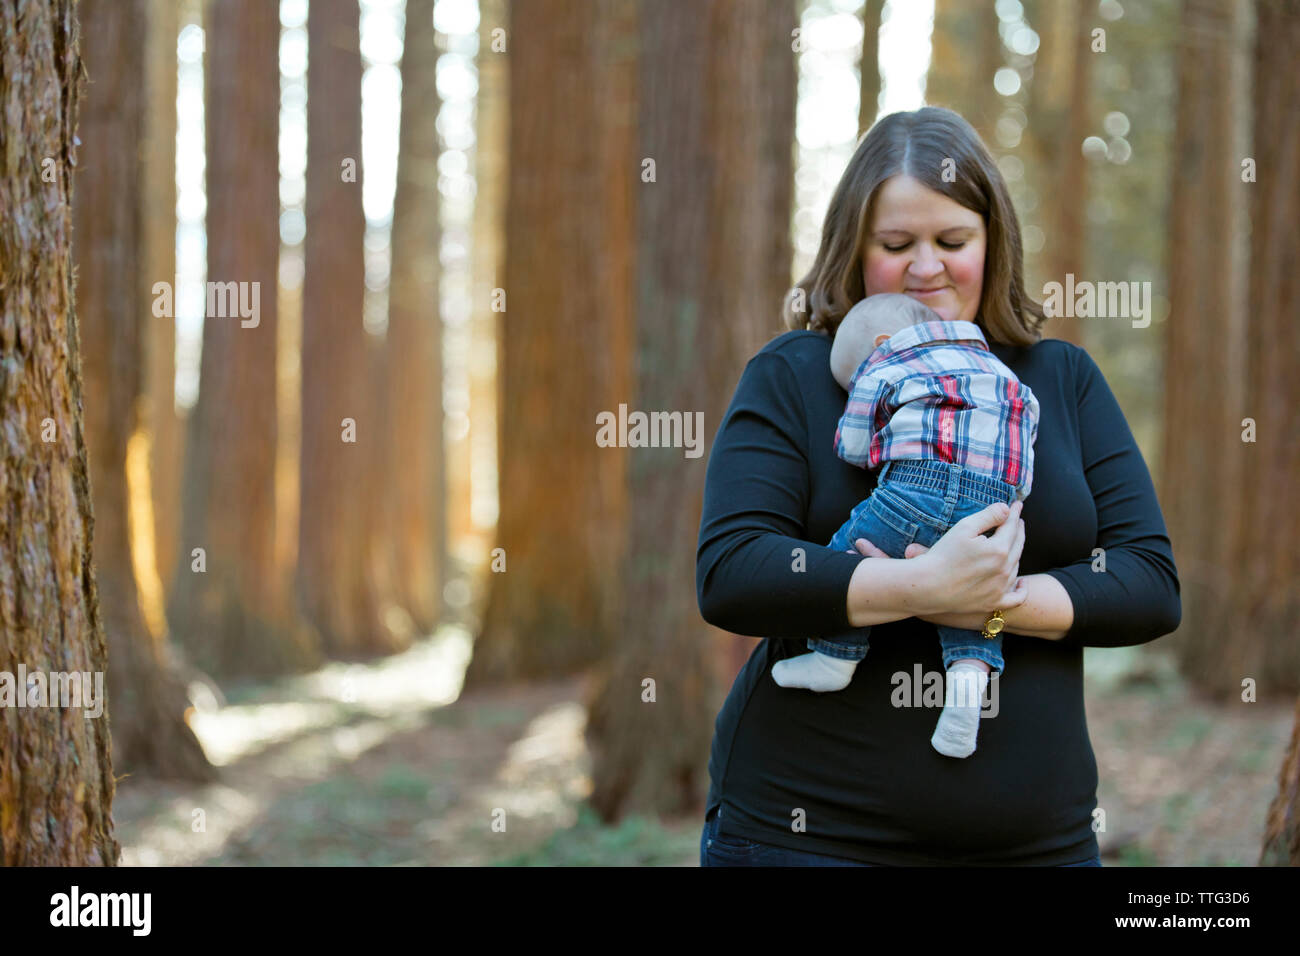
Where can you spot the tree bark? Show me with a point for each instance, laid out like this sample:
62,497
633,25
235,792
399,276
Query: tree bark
146,698
1203,494
1058,109
56,771
233,617
1282,830
163,427
337,584
1266,617
869,70
492,117
565,352
413,345
966,51
716,112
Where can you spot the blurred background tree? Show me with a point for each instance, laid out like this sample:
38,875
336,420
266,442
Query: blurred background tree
145,694
413,524
553,590
711,241
342,593
236,618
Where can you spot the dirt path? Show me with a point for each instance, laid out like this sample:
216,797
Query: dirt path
388,764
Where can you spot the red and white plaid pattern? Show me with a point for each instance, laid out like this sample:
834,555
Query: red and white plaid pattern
935,391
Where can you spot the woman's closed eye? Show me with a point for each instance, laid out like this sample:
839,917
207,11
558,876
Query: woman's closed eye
954,246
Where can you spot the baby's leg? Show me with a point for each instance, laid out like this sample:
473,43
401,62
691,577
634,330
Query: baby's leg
959,724
966,680
815,671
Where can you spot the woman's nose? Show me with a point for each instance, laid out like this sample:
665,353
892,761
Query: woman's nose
926,265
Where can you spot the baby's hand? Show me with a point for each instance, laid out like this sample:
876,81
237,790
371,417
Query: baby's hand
871,551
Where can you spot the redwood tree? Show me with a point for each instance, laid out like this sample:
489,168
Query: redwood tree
1282,829
1230,451
158,208
1265,618
491,120
233,616
56,773
412,358
146,698
966,53
554,589
1203,484
869,69
337,584
716,113
1058,106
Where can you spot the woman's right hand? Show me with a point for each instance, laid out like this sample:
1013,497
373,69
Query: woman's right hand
965,569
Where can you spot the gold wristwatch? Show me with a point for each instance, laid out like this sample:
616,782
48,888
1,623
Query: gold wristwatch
993,626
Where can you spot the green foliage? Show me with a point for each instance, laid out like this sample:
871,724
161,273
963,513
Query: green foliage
1136,855
1190,732
636,841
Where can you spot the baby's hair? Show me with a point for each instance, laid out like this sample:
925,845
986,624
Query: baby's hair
883,314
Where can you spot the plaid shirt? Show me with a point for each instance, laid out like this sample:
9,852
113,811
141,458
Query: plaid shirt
934,390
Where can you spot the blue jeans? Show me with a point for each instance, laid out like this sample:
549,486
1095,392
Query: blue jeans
718,850
918,501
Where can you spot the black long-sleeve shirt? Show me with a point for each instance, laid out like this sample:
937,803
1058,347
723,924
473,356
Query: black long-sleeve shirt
853,770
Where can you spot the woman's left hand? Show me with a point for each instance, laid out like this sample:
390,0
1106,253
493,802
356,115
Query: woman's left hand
969,620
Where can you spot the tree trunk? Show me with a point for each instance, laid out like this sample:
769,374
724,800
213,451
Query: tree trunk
716,112
381,513
336,580
966,51
869,70
56,771
1058,108
492,118
552,602
232,617
146,698
1203,494
413,346
1067,234
1265,620
166,444
1282,831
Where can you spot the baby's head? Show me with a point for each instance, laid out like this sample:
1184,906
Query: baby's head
869,323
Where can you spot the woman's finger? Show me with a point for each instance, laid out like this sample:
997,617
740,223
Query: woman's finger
1017,596
1007,532
1017,544
976,524
1013,599
915,550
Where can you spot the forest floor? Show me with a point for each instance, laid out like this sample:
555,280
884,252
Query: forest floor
389,764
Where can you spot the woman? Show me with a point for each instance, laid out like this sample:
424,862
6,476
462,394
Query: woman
921,210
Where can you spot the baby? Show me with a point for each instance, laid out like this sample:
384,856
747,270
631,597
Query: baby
955,430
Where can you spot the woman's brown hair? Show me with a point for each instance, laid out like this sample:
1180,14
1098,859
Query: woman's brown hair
917,144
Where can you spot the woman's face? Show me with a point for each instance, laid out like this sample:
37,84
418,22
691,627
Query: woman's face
923,244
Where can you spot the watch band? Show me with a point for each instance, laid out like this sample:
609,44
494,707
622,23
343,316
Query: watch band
993,626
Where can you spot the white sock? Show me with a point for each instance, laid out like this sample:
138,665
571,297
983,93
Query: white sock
814,671
954,736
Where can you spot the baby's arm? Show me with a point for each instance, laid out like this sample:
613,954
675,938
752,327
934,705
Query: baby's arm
857,426
1031,412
